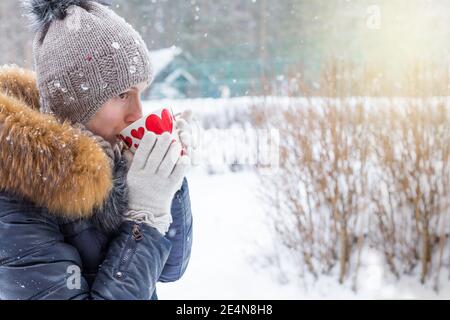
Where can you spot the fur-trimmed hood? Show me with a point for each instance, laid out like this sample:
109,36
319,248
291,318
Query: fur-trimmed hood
50,163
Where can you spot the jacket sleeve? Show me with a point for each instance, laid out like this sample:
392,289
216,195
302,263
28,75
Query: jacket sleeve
180,235
36,263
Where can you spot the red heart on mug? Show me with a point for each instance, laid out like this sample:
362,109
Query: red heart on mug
159,125
139,133
128,141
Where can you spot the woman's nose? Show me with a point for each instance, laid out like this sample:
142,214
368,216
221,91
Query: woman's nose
135,112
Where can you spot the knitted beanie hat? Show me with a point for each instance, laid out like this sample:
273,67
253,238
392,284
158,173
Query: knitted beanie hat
84,54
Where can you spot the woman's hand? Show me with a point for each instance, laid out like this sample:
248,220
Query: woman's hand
156,173
189,133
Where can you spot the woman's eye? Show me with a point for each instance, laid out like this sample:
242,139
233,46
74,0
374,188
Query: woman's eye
123,95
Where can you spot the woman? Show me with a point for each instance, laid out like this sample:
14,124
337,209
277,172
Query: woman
80,217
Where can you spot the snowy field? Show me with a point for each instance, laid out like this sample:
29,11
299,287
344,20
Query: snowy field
233,246
230,235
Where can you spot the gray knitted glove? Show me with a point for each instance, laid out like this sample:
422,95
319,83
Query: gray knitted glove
155,174
190,134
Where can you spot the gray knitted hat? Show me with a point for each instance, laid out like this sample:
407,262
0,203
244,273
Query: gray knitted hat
84,54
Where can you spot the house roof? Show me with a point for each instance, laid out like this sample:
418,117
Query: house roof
160,59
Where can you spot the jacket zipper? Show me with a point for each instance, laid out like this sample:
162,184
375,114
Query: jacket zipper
136,236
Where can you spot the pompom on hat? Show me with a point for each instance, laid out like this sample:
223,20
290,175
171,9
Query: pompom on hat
84,54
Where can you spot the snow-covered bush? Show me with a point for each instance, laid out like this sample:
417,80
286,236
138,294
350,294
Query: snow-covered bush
412,195
361,173
319,199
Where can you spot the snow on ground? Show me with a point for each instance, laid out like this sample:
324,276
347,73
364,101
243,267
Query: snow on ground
230,232
228,223
233,245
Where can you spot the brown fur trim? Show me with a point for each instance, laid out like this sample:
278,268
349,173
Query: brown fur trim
21,84
50,163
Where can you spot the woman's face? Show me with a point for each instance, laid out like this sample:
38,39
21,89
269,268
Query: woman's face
117,113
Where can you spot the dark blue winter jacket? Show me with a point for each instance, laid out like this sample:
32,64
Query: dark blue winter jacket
62,233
